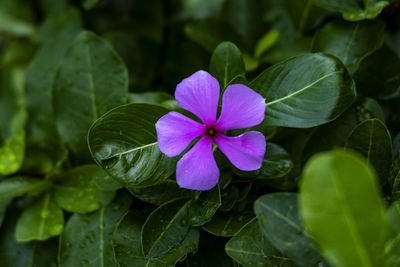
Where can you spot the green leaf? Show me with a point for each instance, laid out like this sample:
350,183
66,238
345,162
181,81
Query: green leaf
82,88
250,248
155,98
372,139
229,197
128,247
165,228
378,75
160,193
279,221
40,221
18,186
392,245
87,238
227,65
277,163
204,206
76,191
12,153
124,142
57,31
89,4
3,208
227,224
354,10
350,42
305,91
342,209
15,26
266,42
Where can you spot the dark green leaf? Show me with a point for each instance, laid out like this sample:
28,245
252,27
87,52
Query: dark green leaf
87,238
41,221
76,191
204,206
128,247
305,91
250,248
3,208
124,143
160,193
82,88
155,98
279,220
18,186
227,224
277,163
372,139
350,42
343,210
165,228
392,246
227,65
229,197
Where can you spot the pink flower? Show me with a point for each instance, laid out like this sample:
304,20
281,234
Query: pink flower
241,108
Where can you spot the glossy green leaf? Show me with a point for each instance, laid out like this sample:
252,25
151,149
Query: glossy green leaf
18,186
305,91
378,75
124,143
392,245
277,163
204,206
342,209
128,247
41,221
350,42
372,139
165,228
229,197
250,248
161,193
87,238
82,88
76,191
12,153
279,220
226,64
228,224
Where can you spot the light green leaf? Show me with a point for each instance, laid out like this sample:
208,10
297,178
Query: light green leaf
250,248
12,153
227,65
76,191
350,42
82,88
279,221
40,221
305,91
128,247
87,238
124,143
18,186
277,163
227,224
372,139
342,209
165,228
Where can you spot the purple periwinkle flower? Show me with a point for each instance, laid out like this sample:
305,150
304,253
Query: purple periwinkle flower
241,108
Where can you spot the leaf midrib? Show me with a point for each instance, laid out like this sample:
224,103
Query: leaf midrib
302,89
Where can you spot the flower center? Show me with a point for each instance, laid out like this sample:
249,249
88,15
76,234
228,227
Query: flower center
211,131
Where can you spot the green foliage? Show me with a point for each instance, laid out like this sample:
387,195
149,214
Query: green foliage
84,183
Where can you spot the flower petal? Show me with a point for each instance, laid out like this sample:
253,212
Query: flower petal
241,108
245,151
197,169
199,94
175,132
